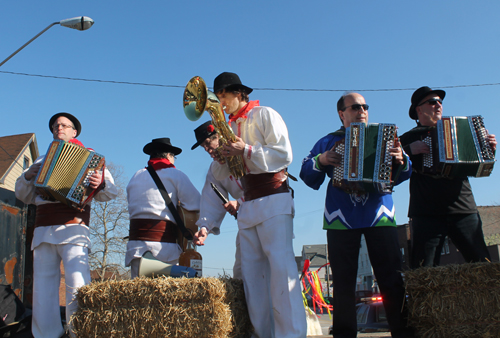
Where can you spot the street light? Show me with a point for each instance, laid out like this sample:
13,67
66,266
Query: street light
80,22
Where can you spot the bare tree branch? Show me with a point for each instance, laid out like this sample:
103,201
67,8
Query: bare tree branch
109,225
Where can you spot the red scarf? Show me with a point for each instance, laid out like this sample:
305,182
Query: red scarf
75,141
242,113
160,163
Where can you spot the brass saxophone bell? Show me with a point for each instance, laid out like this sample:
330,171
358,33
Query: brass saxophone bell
196,99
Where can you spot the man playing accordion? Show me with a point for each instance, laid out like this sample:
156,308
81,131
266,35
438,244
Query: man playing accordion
348,215
439,206
61,234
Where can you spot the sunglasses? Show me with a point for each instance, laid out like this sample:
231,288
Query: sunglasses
432,102
356,107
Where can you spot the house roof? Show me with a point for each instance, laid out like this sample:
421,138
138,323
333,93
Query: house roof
316,253
10,149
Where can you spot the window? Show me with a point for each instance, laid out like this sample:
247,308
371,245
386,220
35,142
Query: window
446,247
362,313
381,317
26,163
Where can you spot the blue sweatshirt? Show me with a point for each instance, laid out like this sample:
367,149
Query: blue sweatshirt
349,211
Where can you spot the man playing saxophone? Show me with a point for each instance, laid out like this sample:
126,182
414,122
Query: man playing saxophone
265,218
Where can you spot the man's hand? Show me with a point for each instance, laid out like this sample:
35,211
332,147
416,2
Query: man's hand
419,147
232,207
330,157
200,236
397,152
234,148
493,141
32,171
95,179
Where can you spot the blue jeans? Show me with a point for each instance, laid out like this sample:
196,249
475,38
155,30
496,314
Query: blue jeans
385,257
429,233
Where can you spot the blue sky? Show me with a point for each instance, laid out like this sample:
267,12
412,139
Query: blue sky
383,49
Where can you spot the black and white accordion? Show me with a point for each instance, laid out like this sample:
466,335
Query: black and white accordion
65,171
458,147
367,164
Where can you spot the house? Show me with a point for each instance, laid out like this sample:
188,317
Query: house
17,152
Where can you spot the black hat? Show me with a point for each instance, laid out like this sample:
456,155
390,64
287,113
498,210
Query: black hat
203,132
161,144
229,81
73,120
419,94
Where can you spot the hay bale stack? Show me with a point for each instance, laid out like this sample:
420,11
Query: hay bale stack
160,307
455,300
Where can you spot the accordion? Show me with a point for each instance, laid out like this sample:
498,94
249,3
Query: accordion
65,171
367,164
458,147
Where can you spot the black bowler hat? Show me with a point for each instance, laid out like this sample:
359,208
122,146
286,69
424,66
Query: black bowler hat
73,120
203,132
229,81
419,94
161,144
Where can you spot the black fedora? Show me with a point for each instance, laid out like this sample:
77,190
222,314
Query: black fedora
70,117
229,81
203,132
418,96
161,144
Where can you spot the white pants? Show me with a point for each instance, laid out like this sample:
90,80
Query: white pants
271,280
237,259
46,279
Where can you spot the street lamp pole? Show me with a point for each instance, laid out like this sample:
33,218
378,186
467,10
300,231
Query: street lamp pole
80,22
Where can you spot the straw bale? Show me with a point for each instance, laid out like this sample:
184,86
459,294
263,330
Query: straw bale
160,307
455,300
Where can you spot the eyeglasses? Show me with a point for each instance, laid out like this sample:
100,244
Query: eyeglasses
432,102
356,107
55,127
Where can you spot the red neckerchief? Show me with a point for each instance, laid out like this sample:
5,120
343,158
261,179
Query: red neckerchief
75,141
160,163
242,113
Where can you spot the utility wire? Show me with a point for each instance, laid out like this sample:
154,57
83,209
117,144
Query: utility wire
263,89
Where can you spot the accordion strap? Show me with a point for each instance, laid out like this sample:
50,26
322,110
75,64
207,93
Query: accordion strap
185,232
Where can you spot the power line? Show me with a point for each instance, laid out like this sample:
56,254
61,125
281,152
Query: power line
263,89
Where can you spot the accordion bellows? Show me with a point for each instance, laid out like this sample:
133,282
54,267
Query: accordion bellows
64,173
458,147
367,164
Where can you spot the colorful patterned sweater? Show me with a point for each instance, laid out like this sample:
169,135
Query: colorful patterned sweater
349,211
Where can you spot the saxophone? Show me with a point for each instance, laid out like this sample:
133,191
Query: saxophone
196,99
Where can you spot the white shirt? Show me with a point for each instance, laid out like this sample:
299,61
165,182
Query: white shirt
76,234
145,201
267,150
212,209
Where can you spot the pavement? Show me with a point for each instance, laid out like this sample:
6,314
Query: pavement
325,323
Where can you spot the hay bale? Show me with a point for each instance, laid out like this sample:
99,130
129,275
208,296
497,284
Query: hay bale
160,307
455,300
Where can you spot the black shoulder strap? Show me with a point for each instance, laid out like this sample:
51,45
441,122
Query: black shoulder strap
185,232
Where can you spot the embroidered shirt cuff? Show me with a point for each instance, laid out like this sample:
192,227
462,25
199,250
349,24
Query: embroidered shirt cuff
248,151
